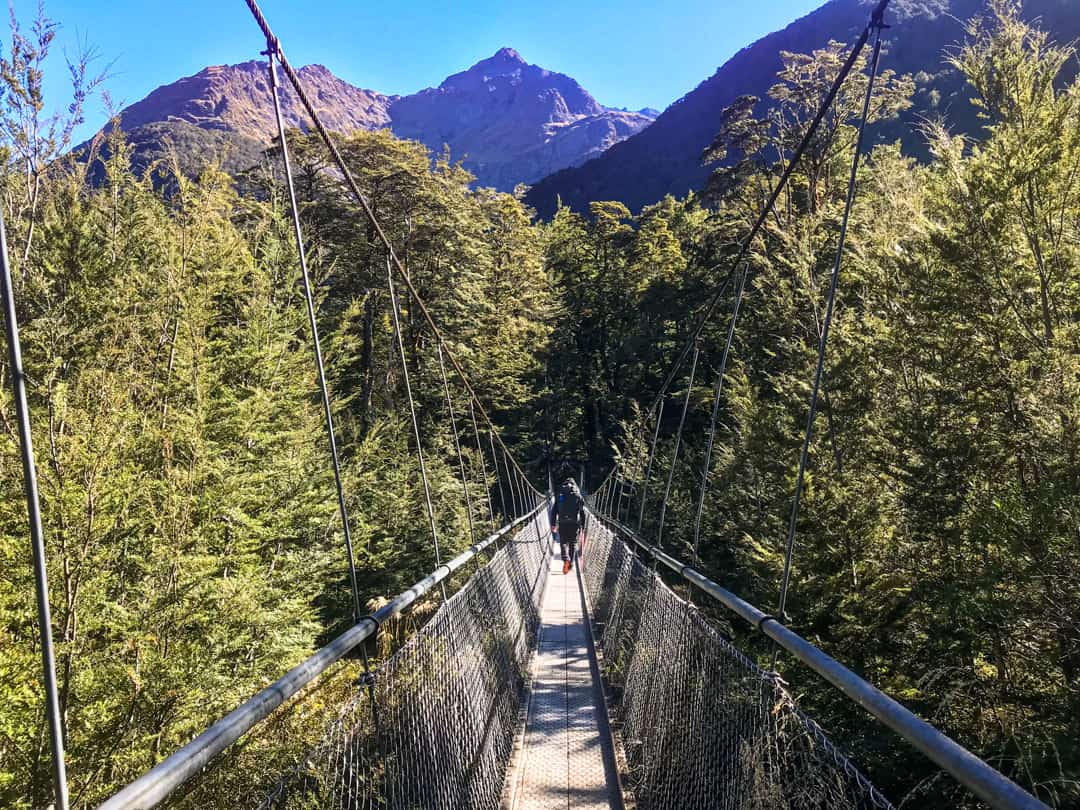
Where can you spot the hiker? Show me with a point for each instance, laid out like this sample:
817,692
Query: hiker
567,516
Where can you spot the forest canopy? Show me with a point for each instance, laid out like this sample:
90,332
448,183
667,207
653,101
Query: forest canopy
189,507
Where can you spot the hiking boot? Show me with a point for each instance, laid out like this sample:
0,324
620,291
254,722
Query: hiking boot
566,566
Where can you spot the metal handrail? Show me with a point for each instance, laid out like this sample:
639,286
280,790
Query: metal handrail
159,782
973,773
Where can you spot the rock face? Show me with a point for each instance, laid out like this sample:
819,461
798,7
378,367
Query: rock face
513,122
235,98
666,157
508,121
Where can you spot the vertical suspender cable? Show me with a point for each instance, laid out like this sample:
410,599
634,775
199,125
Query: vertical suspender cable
675,452
309,298
514,482
649,466
523,490
37,539
808,436
759,223
505,505
365,204
457,444
498,477
596,500
483,463
510,489
415,421
368,679
515,486
716,408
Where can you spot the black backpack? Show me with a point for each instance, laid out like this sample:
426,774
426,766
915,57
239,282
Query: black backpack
568,504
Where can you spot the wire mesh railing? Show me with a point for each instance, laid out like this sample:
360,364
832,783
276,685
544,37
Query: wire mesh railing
702,725
435,727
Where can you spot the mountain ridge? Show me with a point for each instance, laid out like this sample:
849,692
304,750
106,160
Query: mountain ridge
665,157
507,120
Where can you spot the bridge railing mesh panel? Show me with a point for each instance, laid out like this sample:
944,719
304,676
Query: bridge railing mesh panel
437,729
702,725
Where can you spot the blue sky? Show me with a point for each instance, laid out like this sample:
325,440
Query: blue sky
627,53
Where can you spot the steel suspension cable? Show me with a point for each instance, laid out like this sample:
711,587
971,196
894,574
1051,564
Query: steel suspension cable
37,535
483,463
822,345
457,444
615,493
316,346
522,493
623,496
498,476
510,487
368,678
759,223
659,403
716,409
599,498
876,23
506,493
649,466
515,486
415,421
274,44
675,451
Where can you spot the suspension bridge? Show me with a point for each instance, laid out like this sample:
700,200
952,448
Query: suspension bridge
529,688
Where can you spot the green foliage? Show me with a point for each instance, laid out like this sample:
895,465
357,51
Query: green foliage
192,530
937,543
193,537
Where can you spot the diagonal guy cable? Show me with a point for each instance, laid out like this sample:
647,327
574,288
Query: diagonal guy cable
274,44
457,445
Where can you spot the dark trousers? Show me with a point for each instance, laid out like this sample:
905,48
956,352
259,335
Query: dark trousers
568,539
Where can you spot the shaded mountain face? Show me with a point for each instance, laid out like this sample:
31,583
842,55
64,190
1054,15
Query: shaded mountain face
666,157
508,121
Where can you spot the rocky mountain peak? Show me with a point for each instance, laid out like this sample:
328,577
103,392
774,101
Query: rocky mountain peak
504,62
506,55
505,80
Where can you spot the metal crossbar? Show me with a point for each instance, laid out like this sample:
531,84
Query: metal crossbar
702,725
439,729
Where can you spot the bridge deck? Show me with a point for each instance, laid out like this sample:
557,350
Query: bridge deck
565,757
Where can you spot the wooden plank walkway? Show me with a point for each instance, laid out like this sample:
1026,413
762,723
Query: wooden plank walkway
564,759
